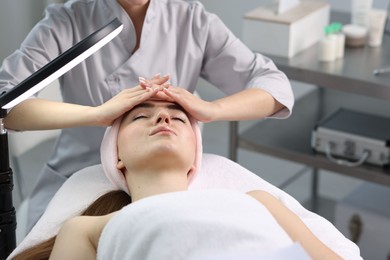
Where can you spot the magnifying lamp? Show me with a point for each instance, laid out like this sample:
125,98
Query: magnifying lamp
34,83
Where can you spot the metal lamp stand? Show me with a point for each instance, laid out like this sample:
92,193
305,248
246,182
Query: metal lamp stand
7,210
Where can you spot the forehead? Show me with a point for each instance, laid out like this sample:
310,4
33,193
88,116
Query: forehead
151,105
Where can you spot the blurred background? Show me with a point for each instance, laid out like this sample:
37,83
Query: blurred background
30,150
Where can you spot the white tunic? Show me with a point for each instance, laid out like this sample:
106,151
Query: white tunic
187,224
178,38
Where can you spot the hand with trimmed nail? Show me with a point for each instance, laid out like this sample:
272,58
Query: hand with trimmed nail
199,109
157,82
128,98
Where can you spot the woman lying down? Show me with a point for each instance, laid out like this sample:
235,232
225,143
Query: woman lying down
156,155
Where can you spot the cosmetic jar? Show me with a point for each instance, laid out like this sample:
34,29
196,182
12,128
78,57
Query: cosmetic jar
355,35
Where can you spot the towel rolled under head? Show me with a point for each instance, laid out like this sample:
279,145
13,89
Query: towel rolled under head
109,154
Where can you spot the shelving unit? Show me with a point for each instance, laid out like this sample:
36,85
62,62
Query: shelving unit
290,139
348,82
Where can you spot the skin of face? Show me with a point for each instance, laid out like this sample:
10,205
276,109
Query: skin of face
156,136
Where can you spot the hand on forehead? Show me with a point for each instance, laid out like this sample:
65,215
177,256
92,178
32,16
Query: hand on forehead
157,82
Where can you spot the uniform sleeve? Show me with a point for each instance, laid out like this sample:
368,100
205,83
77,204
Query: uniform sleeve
232,66
50,37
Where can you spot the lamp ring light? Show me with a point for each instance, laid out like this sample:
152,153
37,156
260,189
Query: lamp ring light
10,98
60,65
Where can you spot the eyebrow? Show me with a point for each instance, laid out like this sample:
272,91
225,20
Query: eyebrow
173,106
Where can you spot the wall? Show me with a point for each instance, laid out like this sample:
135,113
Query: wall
28,12
17,17
231,11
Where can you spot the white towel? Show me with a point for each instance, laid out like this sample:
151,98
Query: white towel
181,225
216,172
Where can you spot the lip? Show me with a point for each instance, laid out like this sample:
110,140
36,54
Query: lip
162,130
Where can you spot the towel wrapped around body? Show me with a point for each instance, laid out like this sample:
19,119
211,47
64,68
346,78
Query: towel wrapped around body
186,224
217,172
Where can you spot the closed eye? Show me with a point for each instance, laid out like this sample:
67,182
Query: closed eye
139,117
179,119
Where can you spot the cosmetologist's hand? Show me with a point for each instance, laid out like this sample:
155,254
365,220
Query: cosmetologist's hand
127,99
199,109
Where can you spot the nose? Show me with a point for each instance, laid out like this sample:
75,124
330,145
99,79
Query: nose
163,117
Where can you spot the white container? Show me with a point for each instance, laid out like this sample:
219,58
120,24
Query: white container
377,21
340,42
364,215
355,35
328,48
287,34
360,12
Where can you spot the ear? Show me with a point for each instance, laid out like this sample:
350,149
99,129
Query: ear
191,172
120,165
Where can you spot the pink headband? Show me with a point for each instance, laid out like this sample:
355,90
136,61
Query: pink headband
109,155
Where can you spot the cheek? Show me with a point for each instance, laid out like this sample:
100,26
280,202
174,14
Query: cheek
190,142
127,142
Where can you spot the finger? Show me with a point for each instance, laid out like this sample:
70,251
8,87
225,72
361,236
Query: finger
157,76
132,89
160,80
145,85
162,96
159,87
136,98
134,92
142,79
170,93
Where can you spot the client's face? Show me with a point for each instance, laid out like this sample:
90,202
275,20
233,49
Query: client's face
156,134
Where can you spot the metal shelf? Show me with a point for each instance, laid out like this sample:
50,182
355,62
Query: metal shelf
290,139
351,74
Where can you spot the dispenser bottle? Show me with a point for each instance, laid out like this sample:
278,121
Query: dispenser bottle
327,46
340,39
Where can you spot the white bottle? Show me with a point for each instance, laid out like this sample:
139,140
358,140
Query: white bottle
340,39
328,45
360,12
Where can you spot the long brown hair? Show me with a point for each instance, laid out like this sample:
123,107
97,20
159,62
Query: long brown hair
105,204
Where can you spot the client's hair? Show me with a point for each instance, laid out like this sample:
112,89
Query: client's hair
105,204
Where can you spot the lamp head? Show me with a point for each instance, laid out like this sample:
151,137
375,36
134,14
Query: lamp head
60,65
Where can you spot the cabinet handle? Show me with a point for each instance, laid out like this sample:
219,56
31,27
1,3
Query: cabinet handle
347,163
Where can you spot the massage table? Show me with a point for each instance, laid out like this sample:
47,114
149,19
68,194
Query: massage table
216,172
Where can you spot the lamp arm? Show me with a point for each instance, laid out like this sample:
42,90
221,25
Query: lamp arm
7,210
23,90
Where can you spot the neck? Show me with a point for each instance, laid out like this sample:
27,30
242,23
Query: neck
149,183
137,12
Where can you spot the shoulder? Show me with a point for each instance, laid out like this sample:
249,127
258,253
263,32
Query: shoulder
261,196
87,226
80,13
70,7
191,5
73,20
194,15
87,222
189,9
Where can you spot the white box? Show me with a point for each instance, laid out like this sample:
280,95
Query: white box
367,209
288,33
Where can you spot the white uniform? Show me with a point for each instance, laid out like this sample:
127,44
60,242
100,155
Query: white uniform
178,38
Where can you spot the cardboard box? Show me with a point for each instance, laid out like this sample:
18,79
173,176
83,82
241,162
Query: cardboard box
364,217
288,33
